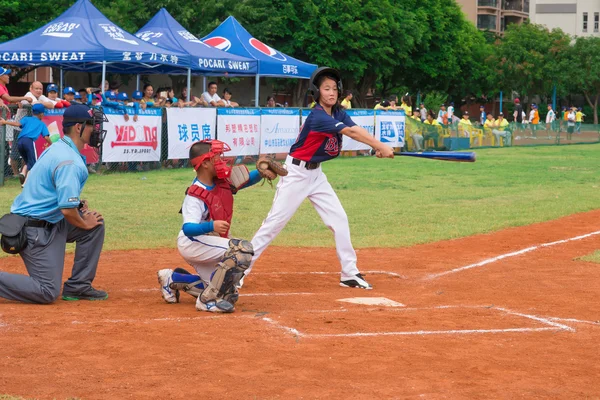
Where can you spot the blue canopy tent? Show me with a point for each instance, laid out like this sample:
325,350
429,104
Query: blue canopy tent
83,39
231,37
164,31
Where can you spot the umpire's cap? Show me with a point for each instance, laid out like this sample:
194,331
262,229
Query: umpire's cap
77,113
334,73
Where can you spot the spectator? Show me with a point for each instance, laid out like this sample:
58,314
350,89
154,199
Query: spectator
384,105
465,124
52,93
415,131
550,120
114,86
36,93
499,129
4,95
270,101
227,99
171,100
31,129
136,97
534,120
148,99
83,93
77,98
423,112
451,114
109,100
442,115
482,115
432,129
211,96
68,95
578,120
194,101
406,104
347,101
106,87
488,125
518,114
571,119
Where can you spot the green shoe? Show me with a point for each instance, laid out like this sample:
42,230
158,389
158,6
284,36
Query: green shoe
90,294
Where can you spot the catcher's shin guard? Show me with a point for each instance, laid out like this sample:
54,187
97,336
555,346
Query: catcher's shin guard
193,288
229,271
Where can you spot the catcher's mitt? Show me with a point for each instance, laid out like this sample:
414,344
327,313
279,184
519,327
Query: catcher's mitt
269,169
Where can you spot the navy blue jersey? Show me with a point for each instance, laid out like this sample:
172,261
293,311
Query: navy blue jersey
320,138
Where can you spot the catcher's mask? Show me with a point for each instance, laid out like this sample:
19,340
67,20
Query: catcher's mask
217,148
82,114
314,80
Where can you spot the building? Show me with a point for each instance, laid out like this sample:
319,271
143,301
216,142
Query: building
496,15
575,17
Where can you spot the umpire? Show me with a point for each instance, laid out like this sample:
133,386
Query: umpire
54,215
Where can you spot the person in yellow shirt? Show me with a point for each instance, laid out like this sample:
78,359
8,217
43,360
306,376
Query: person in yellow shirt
432,129
499,130
488,125
346,102
414,126
383,105
406,104
578,120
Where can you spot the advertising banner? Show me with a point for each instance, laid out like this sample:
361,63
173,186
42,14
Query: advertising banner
240,129
130,140
186,126
279,129
389,127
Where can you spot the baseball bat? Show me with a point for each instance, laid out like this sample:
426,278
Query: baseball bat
456,156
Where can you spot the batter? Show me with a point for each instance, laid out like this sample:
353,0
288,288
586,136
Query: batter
320,140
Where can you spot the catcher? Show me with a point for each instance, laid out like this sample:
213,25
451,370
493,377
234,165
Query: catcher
204,241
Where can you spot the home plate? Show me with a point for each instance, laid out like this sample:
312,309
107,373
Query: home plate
373,301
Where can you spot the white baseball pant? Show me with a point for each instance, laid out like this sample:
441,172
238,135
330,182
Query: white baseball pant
292,189
203,253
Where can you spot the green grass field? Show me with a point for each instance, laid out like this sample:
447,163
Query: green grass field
390,203
594,257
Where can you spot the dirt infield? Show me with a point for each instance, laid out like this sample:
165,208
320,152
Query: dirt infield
488,316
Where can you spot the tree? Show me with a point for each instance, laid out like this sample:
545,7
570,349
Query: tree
528,59
582,65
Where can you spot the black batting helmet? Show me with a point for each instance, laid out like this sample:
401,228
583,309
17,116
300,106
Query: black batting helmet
332,72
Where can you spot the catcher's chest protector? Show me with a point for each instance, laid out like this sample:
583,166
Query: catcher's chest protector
219,201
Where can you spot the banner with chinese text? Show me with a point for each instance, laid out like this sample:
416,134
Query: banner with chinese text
186,126
389,127
130,140
240,129
279,129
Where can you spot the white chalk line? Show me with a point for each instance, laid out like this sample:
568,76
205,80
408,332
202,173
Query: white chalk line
577,321
507,255
329,273
536,318
551,326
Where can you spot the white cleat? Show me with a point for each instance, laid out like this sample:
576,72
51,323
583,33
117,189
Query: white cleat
171,296
215,306
357,281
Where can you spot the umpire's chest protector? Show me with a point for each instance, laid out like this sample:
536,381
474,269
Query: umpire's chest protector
219,200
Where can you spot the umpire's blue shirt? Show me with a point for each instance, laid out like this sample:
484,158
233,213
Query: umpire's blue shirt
55,182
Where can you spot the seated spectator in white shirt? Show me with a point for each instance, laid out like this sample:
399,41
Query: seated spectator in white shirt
36,93
211,96
227,99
